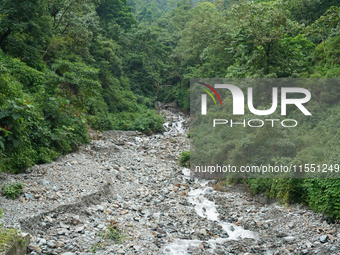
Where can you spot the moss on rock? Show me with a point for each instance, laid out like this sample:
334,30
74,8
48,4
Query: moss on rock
13,242
7,238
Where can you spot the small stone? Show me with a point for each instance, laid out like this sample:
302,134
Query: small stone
289,248
289,239
59,244
231,227
63,225
156,215
192,249
107,211
323,238
43,182
79,229
42,241
35,248
334,248
203,232
101,226
51,244
28,196
136,248
62,232
120,251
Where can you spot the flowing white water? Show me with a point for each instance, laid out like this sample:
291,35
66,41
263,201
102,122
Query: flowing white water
203,207
175,126
206,209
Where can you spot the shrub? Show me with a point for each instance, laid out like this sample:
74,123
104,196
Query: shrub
184,159
149,121
324,196
287,189
12,191
111,234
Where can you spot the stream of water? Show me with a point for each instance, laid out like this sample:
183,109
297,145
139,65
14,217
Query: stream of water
203,208
206,209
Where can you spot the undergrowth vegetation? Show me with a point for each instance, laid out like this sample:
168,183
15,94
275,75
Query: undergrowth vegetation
13,190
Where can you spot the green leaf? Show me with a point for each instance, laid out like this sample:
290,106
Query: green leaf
16,142
16,116
2,145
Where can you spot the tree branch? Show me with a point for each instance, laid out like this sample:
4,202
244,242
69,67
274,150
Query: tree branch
72,3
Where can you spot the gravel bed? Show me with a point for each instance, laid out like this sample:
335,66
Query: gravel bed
133,184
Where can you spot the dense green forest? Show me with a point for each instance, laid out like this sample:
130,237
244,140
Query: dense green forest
67,66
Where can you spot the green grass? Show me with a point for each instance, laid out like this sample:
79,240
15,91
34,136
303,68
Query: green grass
12,191
108,236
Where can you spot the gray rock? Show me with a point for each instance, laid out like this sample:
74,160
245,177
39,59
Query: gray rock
29,196
50,244
289,239
323,238
203,232
334,248
42,241
101,226
136,248
44,182
193,249
156,215
79,229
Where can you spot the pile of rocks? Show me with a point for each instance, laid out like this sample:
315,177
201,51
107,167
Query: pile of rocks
132,182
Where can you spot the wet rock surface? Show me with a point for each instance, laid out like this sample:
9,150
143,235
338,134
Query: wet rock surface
133,181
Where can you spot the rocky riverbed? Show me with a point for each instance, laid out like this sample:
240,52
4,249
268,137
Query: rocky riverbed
133,183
